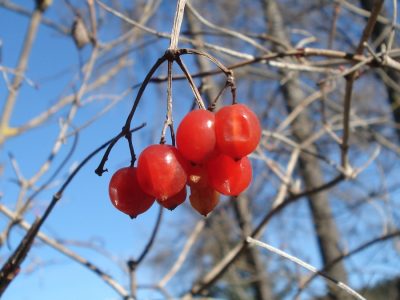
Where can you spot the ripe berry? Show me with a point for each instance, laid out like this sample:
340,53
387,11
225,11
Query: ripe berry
229,176
195,136
203,199
197,176
237,130
126,194
161,171
174,201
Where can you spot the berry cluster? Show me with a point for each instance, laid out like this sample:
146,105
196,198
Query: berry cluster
210,158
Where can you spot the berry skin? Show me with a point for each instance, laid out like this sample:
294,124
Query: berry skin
203,199
229,176
237,130
126,194
161,171
195,136
197,176
174,201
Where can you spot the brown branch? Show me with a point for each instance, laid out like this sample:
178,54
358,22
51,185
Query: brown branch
350,82
125,130
11,267
189,78
152,238
304,52
67,252
219,269
353,252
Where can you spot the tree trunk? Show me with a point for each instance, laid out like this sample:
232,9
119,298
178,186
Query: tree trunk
261,286
325,227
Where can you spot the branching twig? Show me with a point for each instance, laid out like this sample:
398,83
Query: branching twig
182,256
67,252
356,250
219,268
193,86
5,129
305,265
11,267
152,238
349,86
125,130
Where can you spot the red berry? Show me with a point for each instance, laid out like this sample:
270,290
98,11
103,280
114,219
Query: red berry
195,136
161,171
237,130
126,194
203,199
229,176
174,201
197,176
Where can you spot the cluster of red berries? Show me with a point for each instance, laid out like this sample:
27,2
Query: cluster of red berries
210,158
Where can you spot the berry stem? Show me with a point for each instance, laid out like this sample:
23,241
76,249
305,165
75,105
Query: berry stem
169,121
126,129
128,136
196,92
230,78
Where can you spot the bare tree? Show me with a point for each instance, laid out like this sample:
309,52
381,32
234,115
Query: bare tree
324,187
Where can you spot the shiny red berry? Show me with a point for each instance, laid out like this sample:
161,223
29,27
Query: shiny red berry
229,176
203,199
195,136
174,201
127,195
197,176
161,171
237,130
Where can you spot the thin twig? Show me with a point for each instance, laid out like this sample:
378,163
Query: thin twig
67,252
195,90
184,253
216,272
125,130
11,267
233,33
33,27
132,279
168,121
152,238
356,250
349,86
305,265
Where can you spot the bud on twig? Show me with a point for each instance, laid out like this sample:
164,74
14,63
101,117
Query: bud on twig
42,5
80,33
